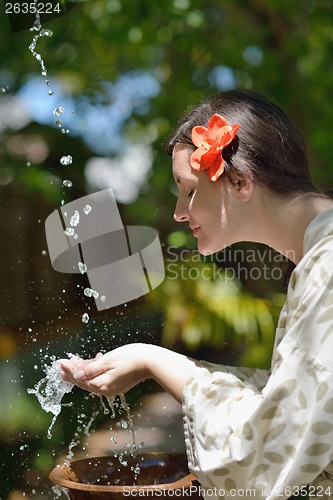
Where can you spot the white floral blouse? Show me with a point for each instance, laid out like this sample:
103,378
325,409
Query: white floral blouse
267,434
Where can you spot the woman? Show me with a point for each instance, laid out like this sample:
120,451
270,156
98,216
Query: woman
242,172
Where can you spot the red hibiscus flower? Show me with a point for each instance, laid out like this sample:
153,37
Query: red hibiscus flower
210,142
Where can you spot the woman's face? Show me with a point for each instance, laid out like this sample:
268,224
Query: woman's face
208,207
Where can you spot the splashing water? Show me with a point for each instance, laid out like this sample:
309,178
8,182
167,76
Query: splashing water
89,292
67,183
32,48
75,219
67,159
50,390
69,231
82,267
85,318
130,424
58,111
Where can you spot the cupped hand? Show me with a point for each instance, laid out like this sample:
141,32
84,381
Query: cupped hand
108,374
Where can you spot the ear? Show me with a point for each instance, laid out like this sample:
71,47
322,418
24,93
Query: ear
242,186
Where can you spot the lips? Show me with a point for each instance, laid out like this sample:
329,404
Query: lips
195,230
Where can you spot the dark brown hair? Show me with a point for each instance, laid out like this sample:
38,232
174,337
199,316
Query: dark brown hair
268,146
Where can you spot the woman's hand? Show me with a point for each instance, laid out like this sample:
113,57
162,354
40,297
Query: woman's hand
109,374
119,370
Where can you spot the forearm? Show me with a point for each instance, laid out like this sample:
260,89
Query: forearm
117,371
170,369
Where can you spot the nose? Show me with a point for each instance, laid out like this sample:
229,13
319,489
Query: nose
181,213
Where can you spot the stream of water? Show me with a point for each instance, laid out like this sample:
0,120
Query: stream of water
51,389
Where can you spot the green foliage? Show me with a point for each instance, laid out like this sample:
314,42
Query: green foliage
280,48
204,305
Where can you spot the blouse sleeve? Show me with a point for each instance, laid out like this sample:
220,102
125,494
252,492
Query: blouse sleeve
270,433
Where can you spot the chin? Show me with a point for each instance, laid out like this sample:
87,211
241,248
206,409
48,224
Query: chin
206,249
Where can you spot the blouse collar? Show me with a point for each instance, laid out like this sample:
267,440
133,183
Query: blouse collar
320,227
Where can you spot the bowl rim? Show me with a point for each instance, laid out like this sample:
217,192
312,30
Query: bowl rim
184,482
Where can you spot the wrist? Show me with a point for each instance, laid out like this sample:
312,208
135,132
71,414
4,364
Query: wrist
145,355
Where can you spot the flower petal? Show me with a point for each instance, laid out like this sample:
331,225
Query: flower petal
208,159
217,168
195,159
230,135
222,132
215,124
199,134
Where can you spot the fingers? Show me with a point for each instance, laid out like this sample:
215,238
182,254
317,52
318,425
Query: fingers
79,370
91,369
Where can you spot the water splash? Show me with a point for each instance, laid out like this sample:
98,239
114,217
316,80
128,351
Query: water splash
85,318
75,219
67,183
130,425
67,159
32,47
89,292
50,390
69,231
58,111
82,267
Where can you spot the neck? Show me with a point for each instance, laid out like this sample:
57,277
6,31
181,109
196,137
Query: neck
283,225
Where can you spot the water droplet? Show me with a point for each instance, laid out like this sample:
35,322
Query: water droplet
82,267
87,292
67,183
58,111
44,72
137,469
2,90
28,164
59,124
66,160
51,92
75,219
44,252
69,231
103,298
85,318
95,294
87,209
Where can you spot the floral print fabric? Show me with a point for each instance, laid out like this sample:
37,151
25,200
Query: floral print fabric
270,433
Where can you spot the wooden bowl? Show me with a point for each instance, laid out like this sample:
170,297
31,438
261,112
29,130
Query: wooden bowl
105,478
